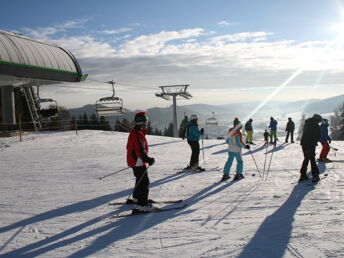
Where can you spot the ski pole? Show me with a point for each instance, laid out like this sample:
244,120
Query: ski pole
102,177
203,150
272,153
335,149
266,154
255,163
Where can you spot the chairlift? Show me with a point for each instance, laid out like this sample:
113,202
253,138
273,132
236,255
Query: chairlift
109,106
211,120
48,108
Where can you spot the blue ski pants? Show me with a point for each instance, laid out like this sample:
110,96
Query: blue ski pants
228,165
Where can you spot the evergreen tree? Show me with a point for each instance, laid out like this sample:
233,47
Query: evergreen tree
104,124
85,122
72,125
149,128
337,123
94,123
169,131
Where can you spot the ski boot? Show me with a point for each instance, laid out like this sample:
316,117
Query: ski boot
303,178
225,177
236,177
316,179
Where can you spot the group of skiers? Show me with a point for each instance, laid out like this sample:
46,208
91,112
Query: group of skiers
138,159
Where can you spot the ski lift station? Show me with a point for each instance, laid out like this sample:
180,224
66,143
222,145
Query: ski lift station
25,63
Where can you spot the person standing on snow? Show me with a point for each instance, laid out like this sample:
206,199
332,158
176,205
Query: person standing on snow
273,130
266,137
249,131
193,137
137,159
310,136
235,145
182,127
236,122
290,130
324,140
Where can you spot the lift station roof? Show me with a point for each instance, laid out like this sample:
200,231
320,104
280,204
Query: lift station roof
24,60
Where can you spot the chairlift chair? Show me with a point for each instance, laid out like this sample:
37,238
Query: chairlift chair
211,121
109,106
48,108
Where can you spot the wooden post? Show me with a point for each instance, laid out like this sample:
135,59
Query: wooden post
76,124
20,129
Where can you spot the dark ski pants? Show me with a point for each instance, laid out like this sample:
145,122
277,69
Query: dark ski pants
309,156
141,189
194,154
291,136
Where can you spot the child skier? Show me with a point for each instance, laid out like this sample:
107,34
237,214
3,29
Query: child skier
137,159
324,140
266,137
235,145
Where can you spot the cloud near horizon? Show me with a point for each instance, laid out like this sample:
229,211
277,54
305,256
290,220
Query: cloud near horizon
198,57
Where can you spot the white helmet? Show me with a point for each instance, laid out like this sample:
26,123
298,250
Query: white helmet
194,117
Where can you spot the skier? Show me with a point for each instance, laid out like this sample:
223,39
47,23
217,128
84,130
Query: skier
266,137
235,145
137,159
236,122
193,137
273,130
324,140
290,130
249,131
182,128
310,136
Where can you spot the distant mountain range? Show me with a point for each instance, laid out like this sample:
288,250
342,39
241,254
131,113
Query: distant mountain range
161,117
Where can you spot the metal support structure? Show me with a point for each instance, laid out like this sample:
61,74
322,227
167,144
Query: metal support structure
8,108
175,126
174,91
31,103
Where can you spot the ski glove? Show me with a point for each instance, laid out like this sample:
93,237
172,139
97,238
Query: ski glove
329,141
151,161
202,131
247,146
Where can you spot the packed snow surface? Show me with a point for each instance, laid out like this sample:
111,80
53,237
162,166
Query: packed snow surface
52,203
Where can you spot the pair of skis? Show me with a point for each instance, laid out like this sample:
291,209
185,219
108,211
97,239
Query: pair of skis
185,170
134,212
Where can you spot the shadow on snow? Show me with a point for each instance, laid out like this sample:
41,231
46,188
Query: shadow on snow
272,237
119,229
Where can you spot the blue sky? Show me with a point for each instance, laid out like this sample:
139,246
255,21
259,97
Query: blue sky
228,51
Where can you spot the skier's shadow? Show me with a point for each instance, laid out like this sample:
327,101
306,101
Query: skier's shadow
272,237
83,205
119,229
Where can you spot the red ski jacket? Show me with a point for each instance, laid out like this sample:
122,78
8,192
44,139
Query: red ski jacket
137,148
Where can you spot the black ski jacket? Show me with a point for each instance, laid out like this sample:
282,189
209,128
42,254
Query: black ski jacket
290,126
311,133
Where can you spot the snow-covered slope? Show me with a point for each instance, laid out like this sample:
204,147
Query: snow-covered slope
52,203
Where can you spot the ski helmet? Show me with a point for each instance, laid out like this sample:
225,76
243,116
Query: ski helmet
140,118
194,117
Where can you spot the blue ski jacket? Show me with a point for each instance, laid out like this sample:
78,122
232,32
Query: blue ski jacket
193,132
324,133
